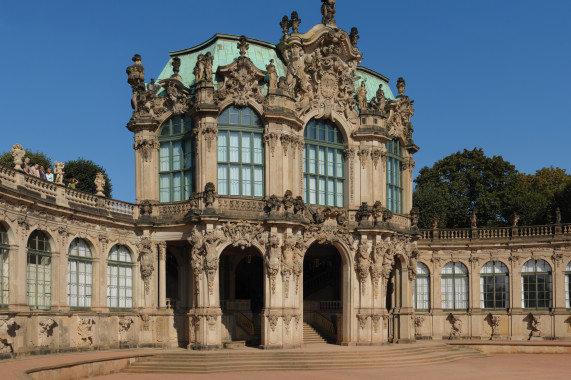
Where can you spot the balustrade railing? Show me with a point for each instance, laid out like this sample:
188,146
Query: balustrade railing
329,306
7,174
496,232
324,325
172,303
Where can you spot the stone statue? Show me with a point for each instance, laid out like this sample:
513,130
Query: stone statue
362,97
58,171
294,22
99,183
285,25
175,66
473,222
199,69
136,78
208,61
435,222
328,12
557,216
354,36
401,84
515,219
243,46
271,69
209,194
380,100
18,153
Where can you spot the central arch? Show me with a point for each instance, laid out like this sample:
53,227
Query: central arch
241,287
324,293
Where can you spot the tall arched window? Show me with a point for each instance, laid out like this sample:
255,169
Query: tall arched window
240,153
323,164
421,300
39,271
568,285
4,272
119,278
536,285
79,274
394,176
176,159
494,286
455,286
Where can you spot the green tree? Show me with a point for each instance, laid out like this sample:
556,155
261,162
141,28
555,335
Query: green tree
563,201
36,157
463,183
85,171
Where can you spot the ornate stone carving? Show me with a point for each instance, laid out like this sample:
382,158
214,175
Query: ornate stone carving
362,97
271,139
376,321
146,145
362,318
145,208
99,184
375,156
204,256
354,37
363,264
455,326
209,195
400,112
377,256
136,78
124,327
408,163
46,331
363,154
379,102
364,213
242,234
298,205
418,321
285,25
58,171
8,327
285,141
273,320
241,79
328,12
414,215
294,22
273,259
286,318
146,261
273,204
377,211
85,332
328,234
272,74
176,99
411,266
203,68
323,214
18,154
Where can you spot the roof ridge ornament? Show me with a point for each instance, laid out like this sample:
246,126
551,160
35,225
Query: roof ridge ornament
328,12
294,22
243,46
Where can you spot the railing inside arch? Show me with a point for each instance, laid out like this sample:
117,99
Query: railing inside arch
496,232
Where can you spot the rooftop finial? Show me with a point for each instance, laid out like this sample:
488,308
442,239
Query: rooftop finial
175,65
354,36
285,25
294,22
243,46
401,85
328,12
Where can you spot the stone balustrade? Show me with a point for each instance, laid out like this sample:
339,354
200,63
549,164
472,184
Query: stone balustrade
500,233
60,194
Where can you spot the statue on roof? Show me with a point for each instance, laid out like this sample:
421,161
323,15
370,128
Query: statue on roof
294,22
175,66
380,101
208,60
354,36
243,46
362,97
199,69
328,12
273,75
401,84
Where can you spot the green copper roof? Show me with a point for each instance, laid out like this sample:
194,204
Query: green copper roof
224,50
372,81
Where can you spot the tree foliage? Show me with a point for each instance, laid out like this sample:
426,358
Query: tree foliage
563,201
36,157
85,171
460,184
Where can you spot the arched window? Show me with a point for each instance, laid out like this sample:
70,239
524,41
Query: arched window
39,271
394,176
323,164
176,159
455,286
240,153
494,286
79,274
119,278
568,285
4,272
536,285
421,300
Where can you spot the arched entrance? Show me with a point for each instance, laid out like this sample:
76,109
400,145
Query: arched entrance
396,302
241,294
322,292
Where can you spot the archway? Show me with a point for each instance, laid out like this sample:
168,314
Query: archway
172,284
241,294
322,293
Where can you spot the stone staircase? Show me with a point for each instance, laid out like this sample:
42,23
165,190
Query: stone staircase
312,336
301,360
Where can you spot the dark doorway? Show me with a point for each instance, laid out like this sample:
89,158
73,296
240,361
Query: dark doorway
171,276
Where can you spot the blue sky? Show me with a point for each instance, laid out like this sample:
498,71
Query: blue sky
490,74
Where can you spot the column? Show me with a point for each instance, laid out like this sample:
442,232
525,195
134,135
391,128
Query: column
162,275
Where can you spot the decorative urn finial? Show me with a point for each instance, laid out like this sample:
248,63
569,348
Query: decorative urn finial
294,22
243,46
401,84
285,25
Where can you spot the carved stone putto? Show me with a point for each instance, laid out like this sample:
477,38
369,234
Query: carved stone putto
328,12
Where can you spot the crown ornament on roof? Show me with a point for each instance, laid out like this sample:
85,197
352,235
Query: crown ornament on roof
243,46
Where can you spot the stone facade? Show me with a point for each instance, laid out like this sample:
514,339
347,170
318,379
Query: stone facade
197,248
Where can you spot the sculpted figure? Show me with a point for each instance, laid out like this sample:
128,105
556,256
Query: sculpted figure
58,171
328,11
354,36
175,66
199,69
18,153
208,60
99,184
362,97
380,100
271,69
473,222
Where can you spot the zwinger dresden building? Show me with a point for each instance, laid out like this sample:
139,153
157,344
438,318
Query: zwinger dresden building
273,208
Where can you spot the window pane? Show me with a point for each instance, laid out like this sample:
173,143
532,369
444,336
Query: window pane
247,180
222,147
246,148
234,147
258,181
176,187
234,179
222,179
258,149
176,155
